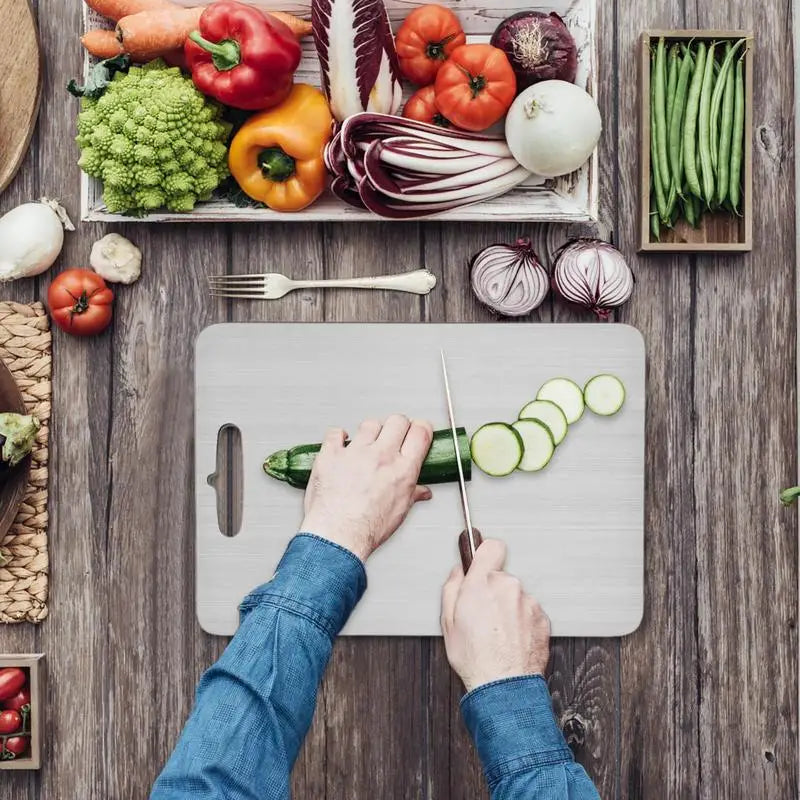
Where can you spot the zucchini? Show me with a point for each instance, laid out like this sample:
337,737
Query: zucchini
604,394
538,443
294,465
566,394
550,414
497,449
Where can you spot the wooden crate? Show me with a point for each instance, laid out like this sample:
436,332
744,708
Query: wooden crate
571,198
34,663
720,232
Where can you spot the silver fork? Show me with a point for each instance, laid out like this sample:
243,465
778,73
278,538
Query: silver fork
272,285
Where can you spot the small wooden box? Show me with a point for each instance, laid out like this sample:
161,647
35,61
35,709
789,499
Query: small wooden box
720,232
35,666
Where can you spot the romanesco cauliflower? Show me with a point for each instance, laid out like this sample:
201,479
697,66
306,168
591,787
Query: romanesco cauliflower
153,140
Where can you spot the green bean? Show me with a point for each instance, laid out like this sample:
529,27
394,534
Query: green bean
674,138
717,97
698,208
655,224
661,111
688,211
655,172
703,127
690,122
672,81
737,140
725,137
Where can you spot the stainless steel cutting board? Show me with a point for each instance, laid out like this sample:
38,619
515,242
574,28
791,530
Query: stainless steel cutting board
574,531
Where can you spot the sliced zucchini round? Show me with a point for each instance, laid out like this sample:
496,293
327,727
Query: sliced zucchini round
566,394
550,414
538,443
497,449
604,394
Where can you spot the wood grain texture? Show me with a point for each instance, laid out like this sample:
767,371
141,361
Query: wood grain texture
700,703
20,84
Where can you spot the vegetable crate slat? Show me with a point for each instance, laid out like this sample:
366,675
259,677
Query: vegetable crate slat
720,231
572,198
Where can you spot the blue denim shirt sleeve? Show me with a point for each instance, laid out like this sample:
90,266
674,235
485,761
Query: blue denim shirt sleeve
522,749
254,706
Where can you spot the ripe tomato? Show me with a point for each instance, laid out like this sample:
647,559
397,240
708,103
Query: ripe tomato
15,703
11,681
475,86
421,106
80,302
10,722
425,39
17,745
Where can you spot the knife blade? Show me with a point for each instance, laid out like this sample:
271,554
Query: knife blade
470,538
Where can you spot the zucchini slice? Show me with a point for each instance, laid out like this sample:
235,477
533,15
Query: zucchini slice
538,443
550,414
294,466
497,449
604,394
566,394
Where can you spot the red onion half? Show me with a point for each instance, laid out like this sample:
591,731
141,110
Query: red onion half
509,278
539,47
593,274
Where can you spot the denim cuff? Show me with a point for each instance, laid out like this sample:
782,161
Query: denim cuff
316,579
512,724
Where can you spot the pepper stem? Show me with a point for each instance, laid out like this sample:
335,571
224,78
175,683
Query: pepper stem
276,165
225,54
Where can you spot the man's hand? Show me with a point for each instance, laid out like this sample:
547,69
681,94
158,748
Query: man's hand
492,629
359,495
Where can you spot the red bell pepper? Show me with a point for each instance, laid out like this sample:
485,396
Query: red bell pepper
242,57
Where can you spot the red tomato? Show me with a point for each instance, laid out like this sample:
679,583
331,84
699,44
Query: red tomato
11,681
421,106
80,302
475,86
10,722
425,39
17,745
15,703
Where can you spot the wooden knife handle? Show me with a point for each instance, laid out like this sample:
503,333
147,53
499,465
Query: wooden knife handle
463,547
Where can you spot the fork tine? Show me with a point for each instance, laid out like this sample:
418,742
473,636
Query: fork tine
236,284
239,295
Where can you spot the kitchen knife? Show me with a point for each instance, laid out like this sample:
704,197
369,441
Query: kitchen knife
470,538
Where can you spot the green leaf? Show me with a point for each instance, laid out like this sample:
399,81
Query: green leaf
101,75
788,496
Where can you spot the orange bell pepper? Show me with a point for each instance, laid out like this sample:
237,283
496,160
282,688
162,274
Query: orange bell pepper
276,156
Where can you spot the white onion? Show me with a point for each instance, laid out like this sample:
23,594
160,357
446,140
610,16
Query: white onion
553,127
509,278
31,237
593,274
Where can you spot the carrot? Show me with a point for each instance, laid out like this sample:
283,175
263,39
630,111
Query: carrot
150,34
117,9
102,44
299,27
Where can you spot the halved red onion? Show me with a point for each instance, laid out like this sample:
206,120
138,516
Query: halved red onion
593,274
509,278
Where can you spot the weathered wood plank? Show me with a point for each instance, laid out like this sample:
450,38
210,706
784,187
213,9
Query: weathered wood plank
746,542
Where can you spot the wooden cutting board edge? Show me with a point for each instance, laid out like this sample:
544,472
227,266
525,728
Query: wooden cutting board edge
30,114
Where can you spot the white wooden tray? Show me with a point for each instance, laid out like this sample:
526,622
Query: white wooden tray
572,198
574,531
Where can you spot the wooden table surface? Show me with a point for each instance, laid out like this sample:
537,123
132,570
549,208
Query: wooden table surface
700,702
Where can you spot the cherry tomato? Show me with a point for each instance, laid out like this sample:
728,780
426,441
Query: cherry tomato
17,745
475,86
425,39
80,302
15,703
421,106
10,722
11,681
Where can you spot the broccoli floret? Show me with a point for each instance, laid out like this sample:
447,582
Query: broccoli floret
153,140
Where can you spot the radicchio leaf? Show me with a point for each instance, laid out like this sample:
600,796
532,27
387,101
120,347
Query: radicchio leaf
356,51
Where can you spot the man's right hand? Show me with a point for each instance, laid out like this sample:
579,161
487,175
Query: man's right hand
492,629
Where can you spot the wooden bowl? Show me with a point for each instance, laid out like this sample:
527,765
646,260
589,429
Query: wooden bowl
12,490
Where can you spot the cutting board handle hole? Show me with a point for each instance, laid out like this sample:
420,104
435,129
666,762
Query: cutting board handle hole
227,480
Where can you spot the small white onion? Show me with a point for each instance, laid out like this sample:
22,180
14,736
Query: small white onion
593,274
509,278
